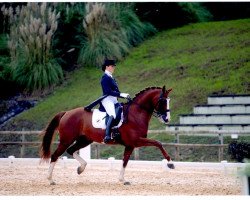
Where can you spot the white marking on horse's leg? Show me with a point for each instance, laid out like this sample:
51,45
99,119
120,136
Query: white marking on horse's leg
81,161
51,168
121,177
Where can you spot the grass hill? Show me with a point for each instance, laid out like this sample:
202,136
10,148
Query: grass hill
196,60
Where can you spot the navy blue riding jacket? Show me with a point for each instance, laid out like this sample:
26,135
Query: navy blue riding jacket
109,86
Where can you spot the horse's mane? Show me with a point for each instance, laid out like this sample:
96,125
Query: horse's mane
144,90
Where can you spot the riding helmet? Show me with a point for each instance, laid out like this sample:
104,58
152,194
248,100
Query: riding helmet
107,63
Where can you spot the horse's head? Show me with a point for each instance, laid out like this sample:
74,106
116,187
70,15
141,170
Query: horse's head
162,106
154,100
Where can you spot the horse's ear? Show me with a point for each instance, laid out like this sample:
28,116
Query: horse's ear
169,90
163,89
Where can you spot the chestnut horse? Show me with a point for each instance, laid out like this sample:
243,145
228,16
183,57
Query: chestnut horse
76,130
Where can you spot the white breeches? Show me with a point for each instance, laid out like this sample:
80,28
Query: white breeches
109,105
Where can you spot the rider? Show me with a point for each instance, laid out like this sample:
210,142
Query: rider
110,88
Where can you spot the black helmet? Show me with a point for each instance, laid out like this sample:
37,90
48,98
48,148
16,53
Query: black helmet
107,63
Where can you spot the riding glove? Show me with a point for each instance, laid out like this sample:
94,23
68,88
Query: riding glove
125,95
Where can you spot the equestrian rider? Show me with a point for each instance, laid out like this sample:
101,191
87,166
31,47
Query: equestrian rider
110,88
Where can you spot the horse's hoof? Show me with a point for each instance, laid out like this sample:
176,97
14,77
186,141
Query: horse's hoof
79,170
52,183
126,183
171,165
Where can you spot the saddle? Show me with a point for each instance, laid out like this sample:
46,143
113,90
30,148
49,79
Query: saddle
99,118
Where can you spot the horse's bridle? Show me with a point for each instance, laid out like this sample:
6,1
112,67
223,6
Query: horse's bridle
157,112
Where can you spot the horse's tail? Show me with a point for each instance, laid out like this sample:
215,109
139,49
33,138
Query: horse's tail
48,136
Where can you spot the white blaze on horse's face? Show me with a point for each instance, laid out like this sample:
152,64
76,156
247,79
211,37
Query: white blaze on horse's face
168,110
166,117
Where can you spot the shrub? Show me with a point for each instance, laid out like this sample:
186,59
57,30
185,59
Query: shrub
195,12
111,30
239,150
30,39
104,37
67,39
136,30
5,73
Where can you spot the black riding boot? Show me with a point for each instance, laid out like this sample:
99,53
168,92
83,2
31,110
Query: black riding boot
108,129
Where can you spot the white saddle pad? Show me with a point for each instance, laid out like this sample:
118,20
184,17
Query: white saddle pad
99,118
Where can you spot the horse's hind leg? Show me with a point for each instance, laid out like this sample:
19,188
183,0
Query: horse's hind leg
51,168
81,142
59,151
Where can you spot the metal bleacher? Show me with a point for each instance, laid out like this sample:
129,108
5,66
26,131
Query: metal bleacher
228,112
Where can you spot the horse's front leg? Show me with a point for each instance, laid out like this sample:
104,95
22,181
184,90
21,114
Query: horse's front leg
127,152
149,142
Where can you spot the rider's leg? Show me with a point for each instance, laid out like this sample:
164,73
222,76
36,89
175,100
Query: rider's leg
110,109
108,129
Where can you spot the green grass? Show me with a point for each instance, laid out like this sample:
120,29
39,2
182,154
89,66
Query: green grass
196,60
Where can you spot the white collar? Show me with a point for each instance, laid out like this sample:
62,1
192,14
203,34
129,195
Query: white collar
108,73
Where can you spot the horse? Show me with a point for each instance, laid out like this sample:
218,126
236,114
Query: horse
76,130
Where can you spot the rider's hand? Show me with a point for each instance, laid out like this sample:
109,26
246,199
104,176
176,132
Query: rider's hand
125,95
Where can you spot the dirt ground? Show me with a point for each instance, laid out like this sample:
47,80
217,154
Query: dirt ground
23,179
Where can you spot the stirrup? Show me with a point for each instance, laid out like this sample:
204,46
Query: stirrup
107,139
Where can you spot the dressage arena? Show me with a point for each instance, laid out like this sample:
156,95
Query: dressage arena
28,177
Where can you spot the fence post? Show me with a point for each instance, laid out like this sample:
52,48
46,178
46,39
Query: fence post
97,151
177,149
22,149
221,148
136,154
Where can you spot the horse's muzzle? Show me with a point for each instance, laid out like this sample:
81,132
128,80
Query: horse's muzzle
164,118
